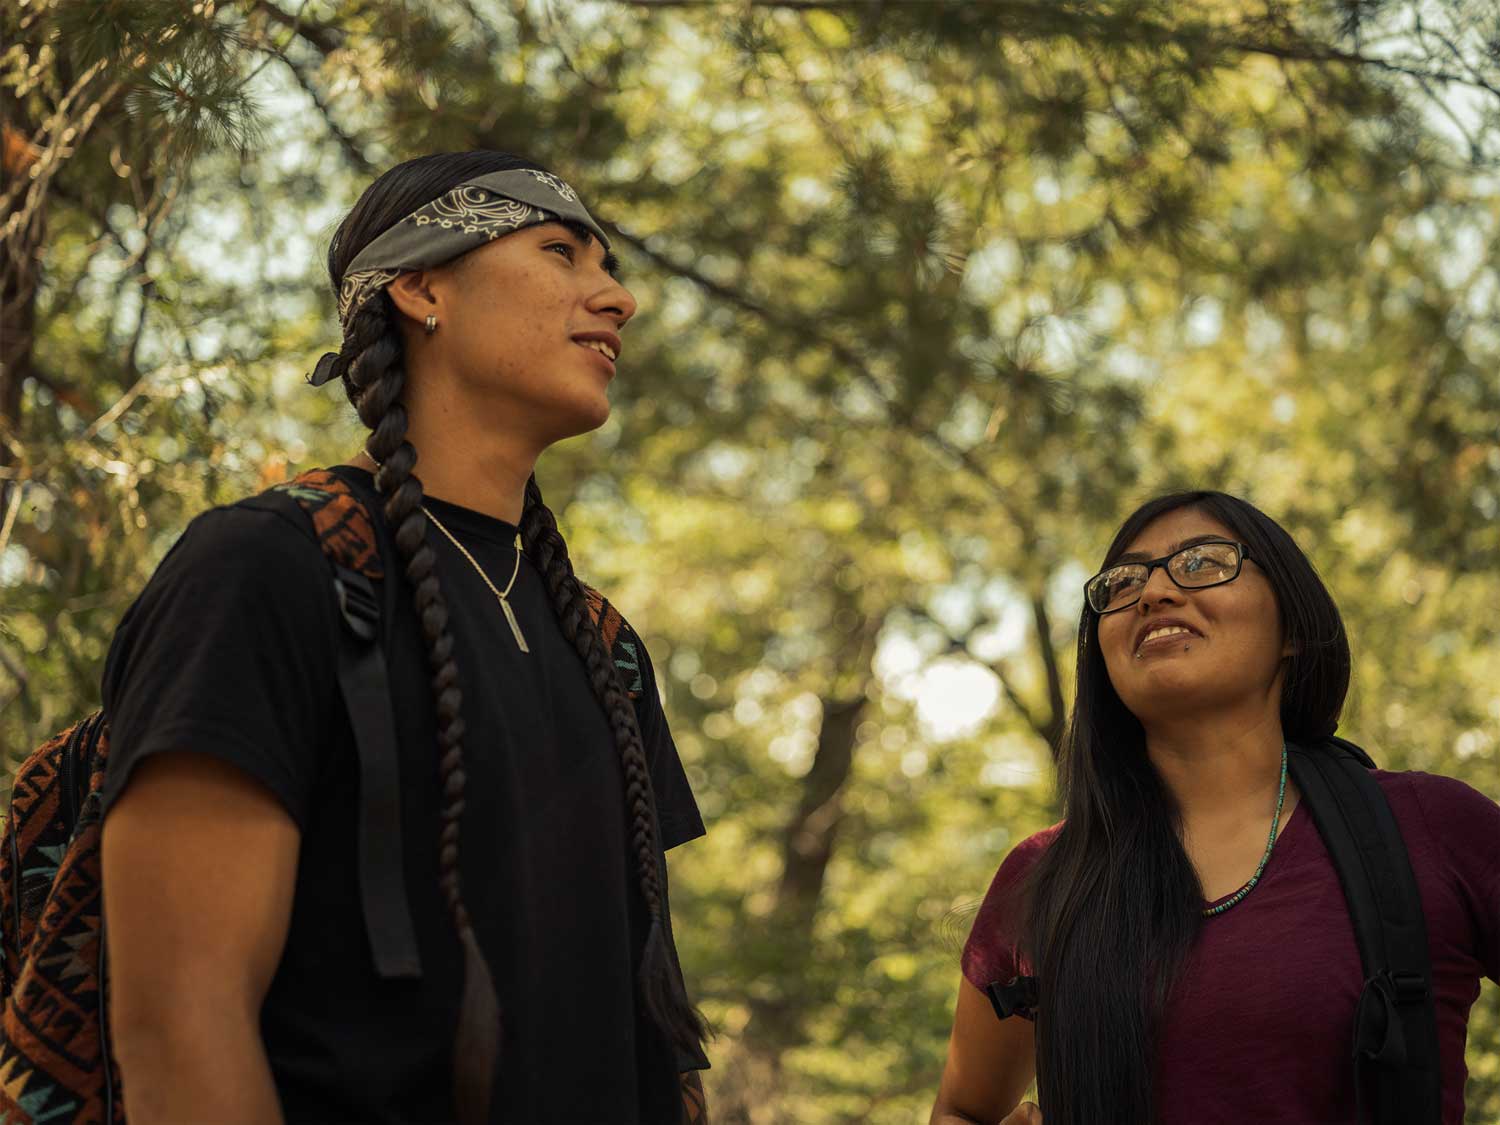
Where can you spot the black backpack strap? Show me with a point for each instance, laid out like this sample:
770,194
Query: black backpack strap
345,530
1397,1076
367,696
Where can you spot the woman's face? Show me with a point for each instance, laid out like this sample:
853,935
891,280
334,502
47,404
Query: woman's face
524,325
1178,652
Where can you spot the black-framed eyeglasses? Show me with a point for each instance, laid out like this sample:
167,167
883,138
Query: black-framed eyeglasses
1192,568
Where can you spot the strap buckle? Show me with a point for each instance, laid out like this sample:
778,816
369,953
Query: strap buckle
1017,997
1409,988
357,604
1378,1034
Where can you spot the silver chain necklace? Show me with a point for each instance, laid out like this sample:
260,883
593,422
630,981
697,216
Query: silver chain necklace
502,596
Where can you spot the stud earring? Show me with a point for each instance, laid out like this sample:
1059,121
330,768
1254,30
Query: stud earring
431,323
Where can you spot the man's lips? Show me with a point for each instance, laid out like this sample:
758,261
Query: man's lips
604,337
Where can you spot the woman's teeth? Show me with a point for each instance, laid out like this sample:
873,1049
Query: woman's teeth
601,347
1166,631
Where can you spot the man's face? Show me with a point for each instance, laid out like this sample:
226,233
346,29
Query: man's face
526,326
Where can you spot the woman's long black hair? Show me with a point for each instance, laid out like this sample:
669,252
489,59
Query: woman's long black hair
1114,902
371,365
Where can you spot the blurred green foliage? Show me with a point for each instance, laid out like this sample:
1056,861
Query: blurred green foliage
932,295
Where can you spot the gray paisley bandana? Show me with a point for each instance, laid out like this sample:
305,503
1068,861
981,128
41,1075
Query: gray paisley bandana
476,212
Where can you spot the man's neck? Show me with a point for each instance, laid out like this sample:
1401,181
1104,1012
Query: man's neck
489,478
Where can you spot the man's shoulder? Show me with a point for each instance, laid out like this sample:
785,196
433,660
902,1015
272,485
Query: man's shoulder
245,534
288,533
329,508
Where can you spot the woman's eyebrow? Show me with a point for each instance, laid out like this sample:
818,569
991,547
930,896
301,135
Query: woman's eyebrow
1142,556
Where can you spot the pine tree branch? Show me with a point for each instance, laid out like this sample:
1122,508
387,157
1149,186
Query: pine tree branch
17,670
350,145
725,293
847,356
132,356
555,31
1457,56
1046,728
8,523
1049,20
1002,673
64,392
325,38
122,404
1306,52
53,150
1057,706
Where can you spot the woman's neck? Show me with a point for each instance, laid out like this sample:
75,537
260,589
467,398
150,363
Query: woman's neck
1223,764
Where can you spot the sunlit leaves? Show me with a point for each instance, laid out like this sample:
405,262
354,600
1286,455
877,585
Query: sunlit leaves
928,302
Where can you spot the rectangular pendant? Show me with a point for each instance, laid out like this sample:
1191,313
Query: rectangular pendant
515,626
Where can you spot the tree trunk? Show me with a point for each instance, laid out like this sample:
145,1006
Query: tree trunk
18,277
17,330
746,1093
1056,724
807,848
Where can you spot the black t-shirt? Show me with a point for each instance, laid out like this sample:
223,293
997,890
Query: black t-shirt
231,651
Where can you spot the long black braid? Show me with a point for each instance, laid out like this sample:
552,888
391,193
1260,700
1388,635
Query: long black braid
659,983
374,377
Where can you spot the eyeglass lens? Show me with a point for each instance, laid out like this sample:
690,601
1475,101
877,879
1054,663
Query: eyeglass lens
1205,564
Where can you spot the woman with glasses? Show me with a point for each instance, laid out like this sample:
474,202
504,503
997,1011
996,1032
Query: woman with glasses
1192,948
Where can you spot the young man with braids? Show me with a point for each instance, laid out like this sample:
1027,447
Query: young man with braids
538,788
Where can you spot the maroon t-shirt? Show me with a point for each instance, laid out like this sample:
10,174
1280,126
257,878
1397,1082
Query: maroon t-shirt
1260,1025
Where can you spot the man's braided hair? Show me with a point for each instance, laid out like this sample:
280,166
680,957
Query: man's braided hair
370,364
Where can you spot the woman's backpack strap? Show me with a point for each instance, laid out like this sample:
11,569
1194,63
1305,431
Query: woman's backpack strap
345,530
1397,1074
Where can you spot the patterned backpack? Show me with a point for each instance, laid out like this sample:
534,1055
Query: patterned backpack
55,1059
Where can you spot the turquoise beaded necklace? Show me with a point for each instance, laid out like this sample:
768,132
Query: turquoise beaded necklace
1210,911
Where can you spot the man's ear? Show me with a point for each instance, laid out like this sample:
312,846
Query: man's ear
412,295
